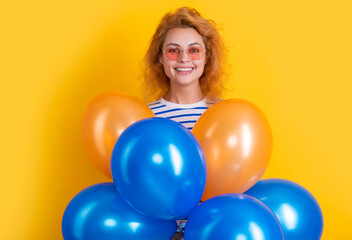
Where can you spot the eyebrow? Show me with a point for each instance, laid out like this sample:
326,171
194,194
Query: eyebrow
192,44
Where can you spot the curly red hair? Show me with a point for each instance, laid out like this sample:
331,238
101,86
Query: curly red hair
156,84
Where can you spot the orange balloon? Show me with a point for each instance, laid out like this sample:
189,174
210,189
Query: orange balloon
105,118
237,142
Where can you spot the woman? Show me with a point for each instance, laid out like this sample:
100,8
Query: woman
184,69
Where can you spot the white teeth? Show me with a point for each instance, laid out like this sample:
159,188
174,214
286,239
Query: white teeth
184,69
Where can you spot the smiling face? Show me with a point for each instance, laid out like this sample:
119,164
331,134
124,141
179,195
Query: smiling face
184,71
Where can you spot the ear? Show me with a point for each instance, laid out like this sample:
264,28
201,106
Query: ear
161,59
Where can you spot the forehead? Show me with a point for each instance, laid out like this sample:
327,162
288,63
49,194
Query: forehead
183,37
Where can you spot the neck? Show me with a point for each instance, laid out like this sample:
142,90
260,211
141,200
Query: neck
185,95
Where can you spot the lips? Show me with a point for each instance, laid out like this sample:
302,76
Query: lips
184,69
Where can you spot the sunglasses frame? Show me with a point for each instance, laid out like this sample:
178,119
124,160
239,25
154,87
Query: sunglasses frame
186,53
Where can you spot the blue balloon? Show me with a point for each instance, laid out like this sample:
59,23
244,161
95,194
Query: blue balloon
233,217
99,213
297,210
159,167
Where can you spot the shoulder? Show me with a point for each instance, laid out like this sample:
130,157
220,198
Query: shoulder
211,101
155,103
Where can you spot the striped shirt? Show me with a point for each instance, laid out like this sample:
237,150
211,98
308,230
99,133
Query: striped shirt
185,114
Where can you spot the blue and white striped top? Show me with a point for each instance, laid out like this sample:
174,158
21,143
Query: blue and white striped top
185,114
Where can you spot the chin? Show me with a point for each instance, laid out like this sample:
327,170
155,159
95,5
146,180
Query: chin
184,82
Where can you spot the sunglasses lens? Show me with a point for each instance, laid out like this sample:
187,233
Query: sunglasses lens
195,53
172,53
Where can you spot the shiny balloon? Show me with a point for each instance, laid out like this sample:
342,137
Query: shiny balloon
233,217
237,142
297,210
158,166
105,118
98,212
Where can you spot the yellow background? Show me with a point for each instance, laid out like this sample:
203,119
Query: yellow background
290,58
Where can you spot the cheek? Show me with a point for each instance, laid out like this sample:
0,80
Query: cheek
168,65
167,69
201,67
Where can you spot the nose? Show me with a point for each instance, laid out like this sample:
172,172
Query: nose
183,56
